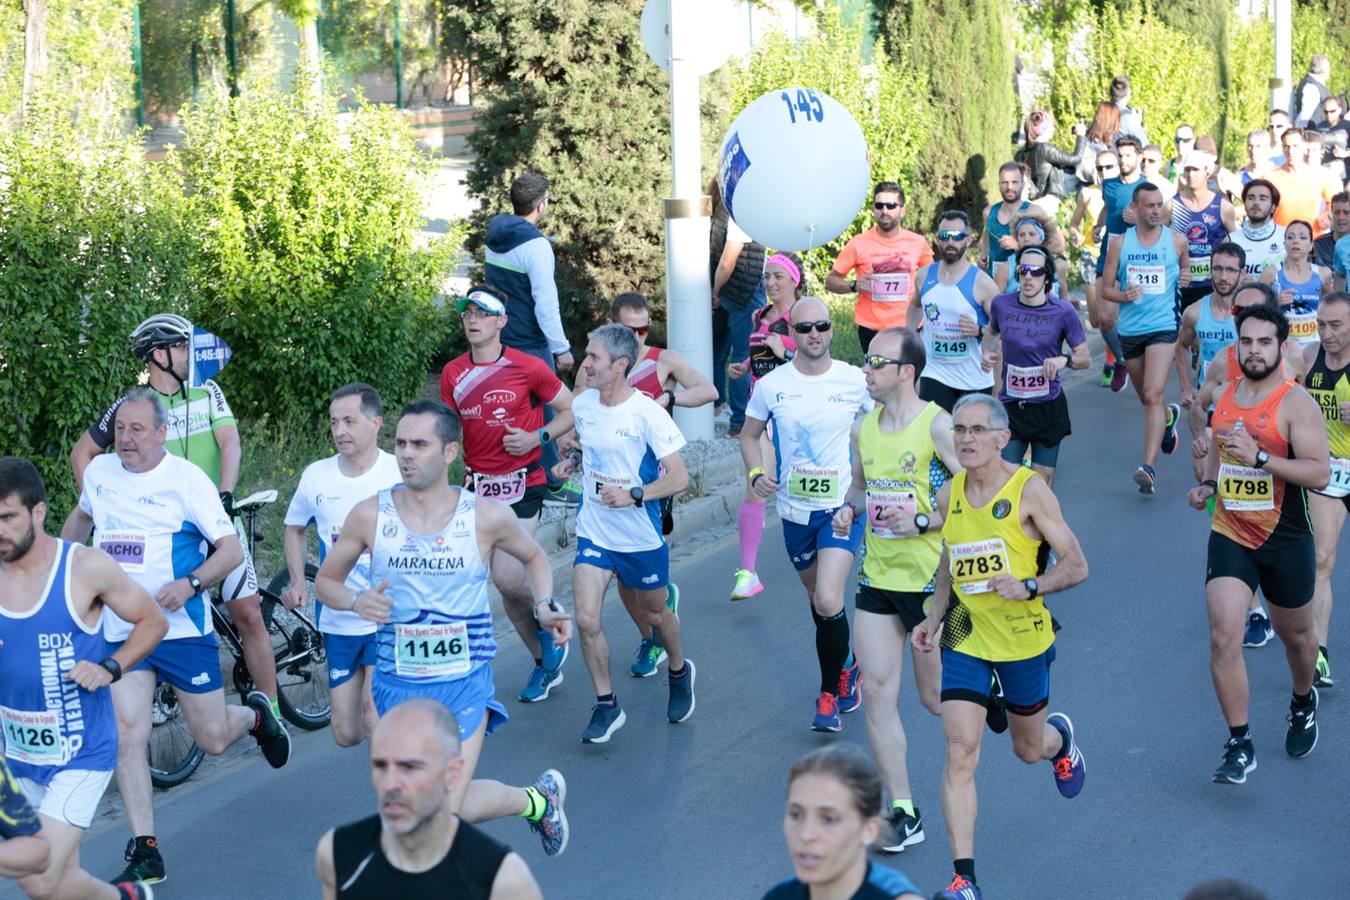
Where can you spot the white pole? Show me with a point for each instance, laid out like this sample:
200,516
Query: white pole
1281,86
688,291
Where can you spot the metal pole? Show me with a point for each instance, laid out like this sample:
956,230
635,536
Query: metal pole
231,49
398,58
688,291
1281,86
139,86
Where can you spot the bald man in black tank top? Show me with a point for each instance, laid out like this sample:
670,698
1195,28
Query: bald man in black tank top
416,846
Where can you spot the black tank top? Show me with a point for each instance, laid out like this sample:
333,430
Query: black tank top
363,872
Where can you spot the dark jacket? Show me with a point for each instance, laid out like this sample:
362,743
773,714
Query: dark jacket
1052,169
740,287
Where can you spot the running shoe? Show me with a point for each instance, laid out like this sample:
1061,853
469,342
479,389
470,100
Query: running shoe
827,713
552,826
144,864
1259,630
134,890
1169,438
606,718
850,689
1323,678
551,656
1302,735
1120,378
540,684
681,704
271,735
961,888
1239,760
1108,371
17,816
648,657
747,585
567,496
1070,770
901,830
996,713
1144,477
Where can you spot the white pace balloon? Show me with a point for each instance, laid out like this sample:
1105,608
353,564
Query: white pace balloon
794,169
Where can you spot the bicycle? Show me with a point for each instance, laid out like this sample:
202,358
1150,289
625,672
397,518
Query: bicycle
297,645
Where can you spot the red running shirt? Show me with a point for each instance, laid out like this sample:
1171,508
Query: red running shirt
512,390
644,376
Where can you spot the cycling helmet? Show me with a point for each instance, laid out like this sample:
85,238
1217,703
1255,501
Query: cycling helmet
162,330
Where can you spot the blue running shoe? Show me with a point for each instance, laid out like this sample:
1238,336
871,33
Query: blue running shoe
681,704
552,827
1169,438
1259,630
551,656
827,714
1070,770
850,689
540,684
606,719
648,657
961,888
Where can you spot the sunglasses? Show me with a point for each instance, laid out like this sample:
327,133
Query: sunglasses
946,235
879,362
885,205
1033,271
1184,140
805,327
1107,168
639,330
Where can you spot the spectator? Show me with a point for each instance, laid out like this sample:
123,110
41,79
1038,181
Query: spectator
1101,138
1131,120
1052,170
1221,180
1311,92
519,264
1279,123
1335,133
1184,141
736,272
1324,248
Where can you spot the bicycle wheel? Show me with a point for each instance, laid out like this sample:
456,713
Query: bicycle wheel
173,755
302,665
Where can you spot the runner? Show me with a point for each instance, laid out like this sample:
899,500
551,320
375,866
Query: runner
1260,237
1150,165
1144,268
997,517
902,454
430,545
416,846
831,818
1034,228
1269,446
885,259
1299,282
1088,218
671,380
997,243
202,430
771,345
499,394
630,459
327,492
1324,248
952,310
1328,380
59,727
1027,332
812,404
156,514
1259,153
1203,217
1206,330
1118,214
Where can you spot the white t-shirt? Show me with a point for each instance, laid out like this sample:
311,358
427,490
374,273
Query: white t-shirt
737,234
323,499
157,526
622,445
812,416
1261,253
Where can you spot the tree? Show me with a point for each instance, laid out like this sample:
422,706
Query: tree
565,89
963,51
34,47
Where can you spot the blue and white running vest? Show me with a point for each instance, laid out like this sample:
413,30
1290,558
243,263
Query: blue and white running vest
1213,334
953,360
1157,270
51,724
440,626
1302,311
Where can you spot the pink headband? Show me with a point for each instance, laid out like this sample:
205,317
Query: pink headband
778,259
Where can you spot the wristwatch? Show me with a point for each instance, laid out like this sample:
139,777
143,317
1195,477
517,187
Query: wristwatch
195,582
853,286
544,436
113,667
637,494
1032,587
1262,457
921,522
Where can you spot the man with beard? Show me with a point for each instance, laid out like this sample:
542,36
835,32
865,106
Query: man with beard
953,307
1269,446
417,845
998,243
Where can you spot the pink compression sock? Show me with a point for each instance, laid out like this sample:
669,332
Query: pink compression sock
751,522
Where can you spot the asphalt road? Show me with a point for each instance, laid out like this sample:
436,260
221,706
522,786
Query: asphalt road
694,810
